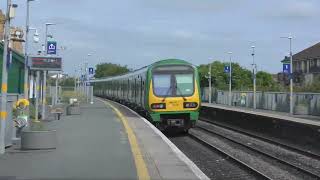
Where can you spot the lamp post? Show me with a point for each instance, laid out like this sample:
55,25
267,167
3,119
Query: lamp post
230,81
210,81
75,80
86,78
10,13
45,73
254,68
79,79
291,73
44,85
46,38
26,70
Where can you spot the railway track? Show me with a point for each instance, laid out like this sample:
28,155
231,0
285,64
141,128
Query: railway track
214,163
268,163
236,160
266,139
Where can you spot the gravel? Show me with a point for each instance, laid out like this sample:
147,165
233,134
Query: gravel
269,167
212,163
299,160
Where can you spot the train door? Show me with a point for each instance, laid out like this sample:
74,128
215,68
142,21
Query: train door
135,90
138,90
111,88
143,93
122,89
128,89
117,89
141,88
107,88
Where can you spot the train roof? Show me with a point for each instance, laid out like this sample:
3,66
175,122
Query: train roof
145,68
170,61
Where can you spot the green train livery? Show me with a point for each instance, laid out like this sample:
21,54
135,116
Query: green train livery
167,92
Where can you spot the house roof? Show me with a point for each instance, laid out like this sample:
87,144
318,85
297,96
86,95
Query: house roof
309,53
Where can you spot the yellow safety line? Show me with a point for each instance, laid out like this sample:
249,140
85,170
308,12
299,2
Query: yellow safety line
26,86
3,115
141,167
4,88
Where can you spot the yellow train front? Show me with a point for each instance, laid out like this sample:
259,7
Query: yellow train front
167,92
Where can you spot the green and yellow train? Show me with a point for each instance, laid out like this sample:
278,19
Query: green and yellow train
167,92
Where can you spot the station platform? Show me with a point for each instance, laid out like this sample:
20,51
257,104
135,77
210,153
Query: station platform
300,132
303,119
107,141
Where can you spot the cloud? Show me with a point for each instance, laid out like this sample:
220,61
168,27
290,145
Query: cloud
191,6
294,9
300,9
139,32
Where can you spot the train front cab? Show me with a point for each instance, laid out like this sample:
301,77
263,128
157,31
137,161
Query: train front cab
174,98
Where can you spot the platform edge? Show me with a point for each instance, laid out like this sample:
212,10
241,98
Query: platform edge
194,168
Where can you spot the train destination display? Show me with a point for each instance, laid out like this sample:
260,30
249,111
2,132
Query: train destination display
45,63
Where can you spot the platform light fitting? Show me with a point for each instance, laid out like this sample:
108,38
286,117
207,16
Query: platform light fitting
12,11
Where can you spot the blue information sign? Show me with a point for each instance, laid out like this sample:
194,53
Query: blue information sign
227,69
91,71
286,68
52,47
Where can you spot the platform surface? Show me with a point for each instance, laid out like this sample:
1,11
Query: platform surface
95,145
304,119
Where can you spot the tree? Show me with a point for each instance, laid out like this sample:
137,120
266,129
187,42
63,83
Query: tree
313,87
69,82
241,77
109,69
265,82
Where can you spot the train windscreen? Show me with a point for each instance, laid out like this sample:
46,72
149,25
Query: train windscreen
172,81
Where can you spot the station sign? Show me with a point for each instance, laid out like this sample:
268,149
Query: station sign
286,68
45,63
227,69
91,70
51,47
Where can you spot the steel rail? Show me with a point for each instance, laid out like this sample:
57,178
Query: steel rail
266,139
292,165
211,146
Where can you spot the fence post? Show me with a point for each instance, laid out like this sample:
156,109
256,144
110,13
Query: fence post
91,94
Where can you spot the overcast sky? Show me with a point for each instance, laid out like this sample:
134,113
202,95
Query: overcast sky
139,32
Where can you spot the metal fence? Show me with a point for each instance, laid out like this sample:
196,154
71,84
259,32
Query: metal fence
304,103
61,94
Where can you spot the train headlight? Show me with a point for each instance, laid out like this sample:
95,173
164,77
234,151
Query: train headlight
190,104
158,106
